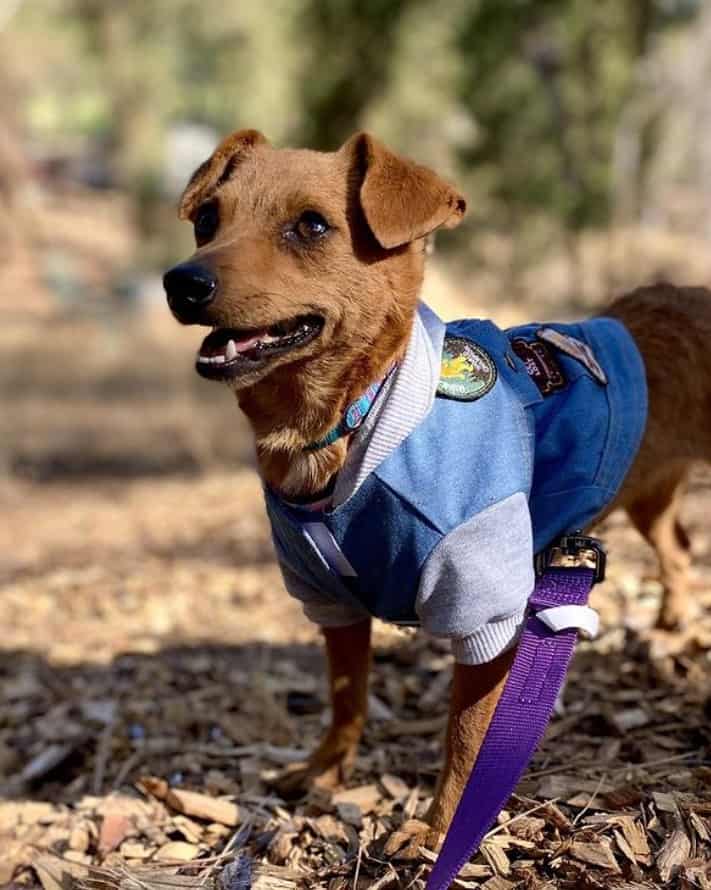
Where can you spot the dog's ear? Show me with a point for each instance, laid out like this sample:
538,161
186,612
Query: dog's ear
401,200
217,169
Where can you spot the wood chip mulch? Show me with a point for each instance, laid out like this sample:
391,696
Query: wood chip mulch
154,678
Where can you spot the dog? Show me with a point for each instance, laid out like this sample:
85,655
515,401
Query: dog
453,452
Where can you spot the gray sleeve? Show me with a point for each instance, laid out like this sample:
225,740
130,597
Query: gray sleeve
318,607
477,581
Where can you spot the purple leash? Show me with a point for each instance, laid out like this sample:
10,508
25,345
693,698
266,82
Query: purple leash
557,611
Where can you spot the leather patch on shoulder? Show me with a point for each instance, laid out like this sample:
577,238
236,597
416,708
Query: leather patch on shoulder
468,372
576,349
541,365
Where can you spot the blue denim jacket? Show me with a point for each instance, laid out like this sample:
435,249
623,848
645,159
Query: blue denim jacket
567,452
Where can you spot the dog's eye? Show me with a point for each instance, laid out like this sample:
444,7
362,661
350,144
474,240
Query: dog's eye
206,222
311,225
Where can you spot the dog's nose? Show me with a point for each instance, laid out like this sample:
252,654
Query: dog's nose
189,287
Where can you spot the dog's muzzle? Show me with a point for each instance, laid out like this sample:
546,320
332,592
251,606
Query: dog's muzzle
190,288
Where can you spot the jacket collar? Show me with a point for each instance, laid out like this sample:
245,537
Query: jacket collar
406,399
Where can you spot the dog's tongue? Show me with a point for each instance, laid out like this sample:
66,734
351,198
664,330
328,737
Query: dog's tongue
249,342
225,346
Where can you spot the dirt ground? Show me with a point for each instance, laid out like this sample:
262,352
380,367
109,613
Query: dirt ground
154,676
146,634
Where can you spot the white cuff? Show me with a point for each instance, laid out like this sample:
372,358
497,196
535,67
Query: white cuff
490,640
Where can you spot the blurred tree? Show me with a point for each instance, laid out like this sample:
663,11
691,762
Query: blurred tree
546,109
351,47
126,72
546,84
418,109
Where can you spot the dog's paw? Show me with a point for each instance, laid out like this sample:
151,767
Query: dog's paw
675,616
299,778
407,841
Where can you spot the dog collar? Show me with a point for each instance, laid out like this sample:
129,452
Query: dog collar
353,416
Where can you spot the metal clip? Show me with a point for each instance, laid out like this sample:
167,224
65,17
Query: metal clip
576,551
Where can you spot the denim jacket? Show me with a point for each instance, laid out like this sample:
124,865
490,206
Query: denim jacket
444,530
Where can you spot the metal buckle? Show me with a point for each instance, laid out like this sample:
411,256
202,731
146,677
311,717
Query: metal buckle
576,551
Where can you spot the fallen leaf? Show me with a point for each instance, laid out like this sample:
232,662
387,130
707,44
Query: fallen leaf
631,718
673,854
133,850
598,854
79,838
115,828
364,796
177,850
497,883
45,762
350,813
55,873
202,806
395,787
636,838
495,856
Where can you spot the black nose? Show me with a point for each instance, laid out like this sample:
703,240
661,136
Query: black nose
189,288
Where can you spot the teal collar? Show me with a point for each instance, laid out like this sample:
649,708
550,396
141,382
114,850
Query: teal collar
353,416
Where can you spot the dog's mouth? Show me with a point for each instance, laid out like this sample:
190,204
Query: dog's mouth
228,353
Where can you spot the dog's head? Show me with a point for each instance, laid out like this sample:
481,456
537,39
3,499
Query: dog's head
300,254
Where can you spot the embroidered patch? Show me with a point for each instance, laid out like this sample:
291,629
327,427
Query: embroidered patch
541,365
576,349
468,371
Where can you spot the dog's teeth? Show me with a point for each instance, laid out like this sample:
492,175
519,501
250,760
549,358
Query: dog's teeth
230,350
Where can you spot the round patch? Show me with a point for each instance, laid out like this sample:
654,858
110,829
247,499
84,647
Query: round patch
468,371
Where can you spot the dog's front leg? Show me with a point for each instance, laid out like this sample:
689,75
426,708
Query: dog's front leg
349,657
476,690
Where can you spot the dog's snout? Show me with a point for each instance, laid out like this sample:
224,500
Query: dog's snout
189,288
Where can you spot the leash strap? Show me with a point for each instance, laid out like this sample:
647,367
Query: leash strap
557,611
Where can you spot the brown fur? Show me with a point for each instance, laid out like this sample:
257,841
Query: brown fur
349,657
672,327
366,291
364,280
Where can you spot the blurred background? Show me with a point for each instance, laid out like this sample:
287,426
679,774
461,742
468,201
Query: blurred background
134,544
580,132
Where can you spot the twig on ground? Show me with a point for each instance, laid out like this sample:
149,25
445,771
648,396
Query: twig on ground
506,824
386,880
103,752
130,763
357,868
592,799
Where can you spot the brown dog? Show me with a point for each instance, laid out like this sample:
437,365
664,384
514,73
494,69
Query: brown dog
313,262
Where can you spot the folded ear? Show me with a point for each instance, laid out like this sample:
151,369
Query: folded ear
217,169
401,200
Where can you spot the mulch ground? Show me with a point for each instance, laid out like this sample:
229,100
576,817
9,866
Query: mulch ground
154,676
